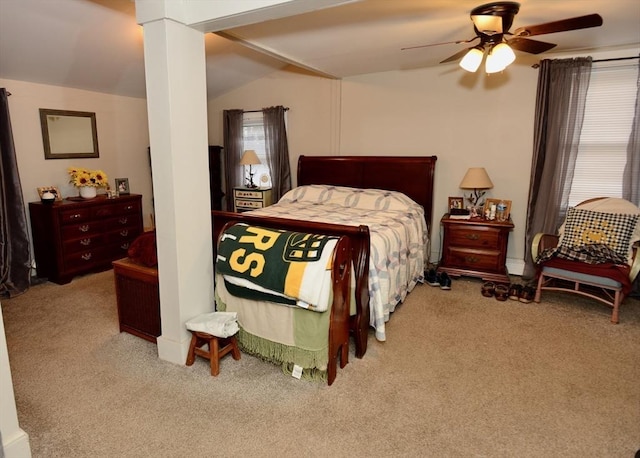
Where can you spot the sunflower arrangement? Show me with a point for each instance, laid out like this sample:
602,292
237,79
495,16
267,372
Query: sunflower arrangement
81,177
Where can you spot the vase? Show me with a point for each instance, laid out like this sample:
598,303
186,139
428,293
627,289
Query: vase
88,192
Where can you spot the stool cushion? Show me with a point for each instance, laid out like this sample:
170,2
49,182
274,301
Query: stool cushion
219,324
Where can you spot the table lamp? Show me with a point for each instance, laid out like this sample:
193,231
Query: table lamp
249,157
477,179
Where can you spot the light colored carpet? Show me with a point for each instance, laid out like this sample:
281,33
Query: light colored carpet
461,375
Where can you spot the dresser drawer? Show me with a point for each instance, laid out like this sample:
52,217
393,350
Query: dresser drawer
473,259
126,208
84,229
75,215
85,243
122,236
124,221
481,238
85,259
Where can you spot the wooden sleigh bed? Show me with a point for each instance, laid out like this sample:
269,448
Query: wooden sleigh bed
412,176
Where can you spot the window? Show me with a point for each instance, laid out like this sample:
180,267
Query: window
609,110
253,137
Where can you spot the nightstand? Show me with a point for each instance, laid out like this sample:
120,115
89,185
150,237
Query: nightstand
475,247
245,199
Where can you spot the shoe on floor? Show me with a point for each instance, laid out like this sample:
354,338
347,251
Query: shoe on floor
445,281
515,290
488,289
433,278
501,292
527,294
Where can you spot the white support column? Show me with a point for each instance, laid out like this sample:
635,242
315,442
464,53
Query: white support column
177,106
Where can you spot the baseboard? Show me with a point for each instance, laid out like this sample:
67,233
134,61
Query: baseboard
18,446
172,351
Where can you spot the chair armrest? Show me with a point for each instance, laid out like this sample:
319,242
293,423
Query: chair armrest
635,264
541,242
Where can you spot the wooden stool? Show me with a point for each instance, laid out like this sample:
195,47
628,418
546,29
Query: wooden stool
199,339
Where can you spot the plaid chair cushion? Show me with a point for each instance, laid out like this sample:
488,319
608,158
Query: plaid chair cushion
587,227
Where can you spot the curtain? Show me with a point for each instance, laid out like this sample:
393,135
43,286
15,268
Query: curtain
560,103
15,256
233,148
631,178
277,150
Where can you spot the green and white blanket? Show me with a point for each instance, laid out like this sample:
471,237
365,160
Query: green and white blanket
276,265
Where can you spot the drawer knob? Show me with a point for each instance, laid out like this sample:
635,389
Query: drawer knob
86,256
472,236
75,216
123,220
129,207
124,233
471,259
84,228
85,242
124,246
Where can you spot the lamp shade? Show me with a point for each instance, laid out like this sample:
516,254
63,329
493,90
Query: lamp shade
249,157
476,178
472,60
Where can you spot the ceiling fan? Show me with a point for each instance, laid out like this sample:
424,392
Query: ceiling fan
491,24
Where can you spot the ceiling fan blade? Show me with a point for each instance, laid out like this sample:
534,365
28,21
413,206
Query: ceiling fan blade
443,43
581,22
456,56
530,46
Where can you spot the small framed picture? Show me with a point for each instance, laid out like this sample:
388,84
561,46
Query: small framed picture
122,186
490,202
456,203
52,189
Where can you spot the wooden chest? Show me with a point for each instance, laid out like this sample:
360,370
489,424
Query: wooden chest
476,248
73,237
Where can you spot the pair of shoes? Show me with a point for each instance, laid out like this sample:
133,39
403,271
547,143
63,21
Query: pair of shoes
433,278
501,292
515,290
488,289
445,281
527,295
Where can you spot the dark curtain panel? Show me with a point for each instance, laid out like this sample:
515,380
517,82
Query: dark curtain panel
560,103
277,149
233,148
15,256
631,179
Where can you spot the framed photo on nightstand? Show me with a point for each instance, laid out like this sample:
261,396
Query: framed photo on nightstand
456,203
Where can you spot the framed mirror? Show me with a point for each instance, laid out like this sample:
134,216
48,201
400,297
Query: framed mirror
69,134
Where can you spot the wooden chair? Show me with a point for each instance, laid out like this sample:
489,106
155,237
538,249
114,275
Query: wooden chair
607,285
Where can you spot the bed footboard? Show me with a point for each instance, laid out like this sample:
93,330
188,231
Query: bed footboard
359,247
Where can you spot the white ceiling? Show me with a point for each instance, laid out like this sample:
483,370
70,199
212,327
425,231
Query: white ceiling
97,45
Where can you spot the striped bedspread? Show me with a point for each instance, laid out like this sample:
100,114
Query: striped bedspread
397,226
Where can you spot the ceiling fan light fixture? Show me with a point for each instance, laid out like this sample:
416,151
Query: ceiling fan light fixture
472,60
504,53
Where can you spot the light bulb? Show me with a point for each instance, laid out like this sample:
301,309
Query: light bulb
493,64
504,53
472,60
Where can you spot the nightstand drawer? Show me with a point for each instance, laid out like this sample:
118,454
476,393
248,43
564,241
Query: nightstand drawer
248,194
474,259
481,237
249,204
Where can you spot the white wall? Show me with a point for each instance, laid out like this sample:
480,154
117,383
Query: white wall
123,138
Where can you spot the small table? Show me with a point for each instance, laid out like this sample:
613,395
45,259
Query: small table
245,199
475,247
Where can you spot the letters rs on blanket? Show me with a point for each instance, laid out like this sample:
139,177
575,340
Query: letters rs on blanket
292,268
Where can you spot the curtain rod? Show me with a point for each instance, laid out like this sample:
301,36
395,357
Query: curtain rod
260,111
537,65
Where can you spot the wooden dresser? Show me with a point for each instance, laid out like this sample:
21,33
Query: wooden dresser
76,236
475,247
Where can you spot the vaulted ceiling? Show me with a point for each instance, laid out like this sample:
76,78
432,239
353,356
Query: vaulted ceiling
97,44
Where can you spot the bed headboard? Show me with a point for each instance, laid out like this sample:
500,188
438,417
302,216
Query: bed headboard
411,175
